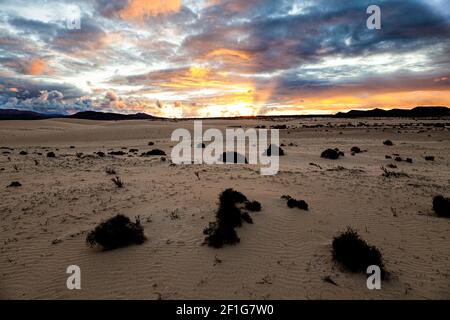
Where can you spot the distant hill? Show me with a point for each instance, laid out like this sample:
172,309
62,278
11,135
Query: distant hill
417,112
412,113
13,114
109,116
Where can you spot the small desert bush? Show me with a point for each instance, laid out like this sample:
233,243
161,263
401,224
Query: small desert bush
51,155
116,232
294,203
229,214
272,150
332,154
117,182
14,184
355,150
116,153
354,253
228,217
441,206
233,157
388,143
388,174
154,152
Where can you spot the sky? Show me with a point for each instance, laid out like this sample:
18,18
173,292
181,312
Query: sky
209,58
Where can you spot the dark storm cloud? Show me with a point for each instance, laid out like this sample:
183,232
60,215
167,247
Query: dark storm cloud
282,41
39,96
32,88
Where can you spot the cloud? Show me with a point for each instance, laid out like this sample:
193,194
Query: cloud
218,57
36,67
112,96
137,10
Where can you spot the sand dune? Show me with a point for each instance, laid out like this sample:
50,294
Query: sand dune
285,254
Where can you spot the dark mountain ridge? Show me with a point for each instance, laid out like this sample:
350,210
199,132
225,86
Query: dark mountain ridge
417,112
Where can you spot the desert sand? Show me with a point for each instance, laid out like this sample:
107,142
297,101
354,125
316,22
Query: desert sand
285,254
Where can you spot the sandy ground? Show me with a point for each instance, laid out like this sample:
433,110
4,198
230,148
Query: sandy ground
284,254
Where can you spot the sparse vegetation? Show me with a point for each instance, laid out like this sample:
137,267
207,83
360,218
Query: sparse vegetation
229,214
332,154
354,253
117,182
116,232
14,184
388,174
355,150
233,157
154,152
51,154
441,206
23,153
279,126
117,153
228,217
174,215
273,149
429,158
293,203
388,143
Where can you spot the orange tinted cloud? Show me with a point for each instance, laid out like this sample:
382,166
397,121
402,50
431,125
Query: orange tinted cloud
36,67
137,10
229,52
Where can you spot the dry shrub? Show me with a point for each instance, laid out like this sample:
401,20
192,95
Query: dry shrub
441,206
332,154
228,217
116,232
354,253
